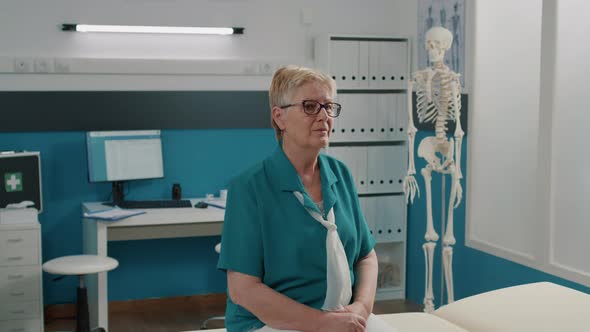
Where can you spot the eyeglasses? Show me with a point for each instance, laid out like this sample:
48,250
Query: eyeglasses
312,107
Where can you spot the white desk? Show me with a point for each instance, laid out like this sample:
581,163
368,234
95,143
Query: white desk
154,224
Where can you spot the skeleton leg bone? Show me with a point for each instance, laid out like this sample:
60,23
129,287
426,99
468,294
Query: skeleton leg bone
449,236
430,232
459,133
459,175
447,256
458,143
428,249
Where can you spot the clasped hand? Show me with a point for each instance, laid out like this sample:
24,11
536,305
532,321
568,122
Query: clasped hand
351,318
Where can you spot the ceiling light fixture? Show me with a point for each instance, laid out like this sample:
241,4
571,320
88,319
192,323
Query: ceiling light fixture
151,29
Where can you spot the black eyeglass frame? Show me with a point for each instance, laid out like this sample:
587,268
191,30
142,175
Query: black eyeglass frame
324,106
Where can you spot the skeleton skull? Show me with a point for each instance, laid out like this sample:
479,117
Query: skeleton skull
438,41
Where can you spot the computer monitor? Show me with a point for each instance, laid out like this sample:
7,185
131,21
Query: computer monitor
21,178
117,156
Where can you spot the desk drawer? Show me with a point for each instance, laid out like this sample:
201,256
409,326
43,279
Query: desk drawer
29,325
19,283
19,310
19,247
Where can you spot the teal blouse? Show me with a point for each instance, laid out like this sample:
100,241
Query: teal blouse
268,234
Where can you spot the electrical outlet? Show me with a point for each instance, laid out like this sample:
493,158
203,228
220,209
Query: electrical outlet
22,65
61,66
249,69
265,68
43,65
306,16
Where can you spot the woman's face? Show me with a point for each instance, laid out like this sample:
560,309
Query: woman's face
307,131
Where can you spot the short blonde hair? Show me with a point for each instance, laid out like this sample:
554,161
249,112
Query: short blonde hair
289,78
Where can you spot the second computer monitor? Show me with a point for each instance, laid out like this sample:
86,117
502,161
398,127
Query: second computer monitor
124,155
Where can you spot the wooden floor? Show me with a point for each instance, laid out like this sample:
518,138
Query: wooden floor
175,314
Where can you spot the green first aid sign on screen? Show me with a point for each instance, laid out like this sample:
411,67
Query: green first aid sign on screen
13,182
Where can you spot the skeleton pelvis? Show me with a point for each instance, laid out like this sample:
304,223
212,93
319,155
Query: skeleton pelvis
429,146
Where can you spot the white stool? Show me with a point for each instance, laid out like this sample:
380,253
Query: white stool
204,325
80,265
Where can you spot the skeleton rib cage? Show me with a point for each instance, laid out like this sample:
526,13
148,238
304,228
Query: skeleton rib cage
434,89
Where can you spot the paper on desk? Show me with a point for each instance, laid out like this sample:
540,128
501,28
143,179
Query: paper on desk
113,214
216,202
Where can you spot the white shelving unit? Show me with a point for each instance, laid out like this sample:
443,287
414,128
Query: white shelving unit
21,295
369,137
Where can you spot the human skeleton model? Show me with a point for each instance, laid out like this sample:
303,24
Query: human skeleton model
438,94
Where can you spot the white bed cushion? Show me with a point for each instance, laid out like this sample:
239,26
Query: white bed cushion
412,322
536,307
419,322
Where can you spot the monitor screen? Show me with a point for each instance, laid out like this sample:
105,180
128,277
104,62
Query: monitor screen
124,155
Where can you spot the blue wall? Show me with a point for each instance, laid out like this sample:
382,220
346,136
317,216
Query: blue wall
474,270
203,161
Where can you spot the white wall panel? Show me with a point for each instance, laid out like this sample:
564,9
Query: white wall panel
503,149
570,161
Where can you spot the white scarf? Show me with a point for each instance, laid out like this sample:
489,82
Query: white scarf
339,289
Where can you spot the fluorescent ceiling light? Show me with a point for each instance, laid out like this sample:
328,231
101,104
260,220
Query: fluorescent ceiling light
151,29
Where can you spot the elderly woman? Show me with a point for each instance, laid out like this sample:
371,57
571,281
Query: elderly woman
295,244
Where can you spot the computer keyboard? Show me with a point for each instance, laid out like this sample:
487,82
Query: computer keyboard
159,204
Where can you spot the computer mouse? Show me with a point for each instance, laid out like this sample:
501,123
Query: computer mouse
201,205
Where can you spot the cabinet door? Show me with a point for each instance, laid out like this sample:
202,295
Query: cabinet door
389,217
367,209
388,65
374,168
340,121
374,65
19,247
388,62
394,222
344,63
387,105
382,65
399,55
358,156
369,131
383,208
360,117
379,213
355,158
19,310
386,165
399,118
398,159
28,325
379,169
349,114
363,79
339,152
19,283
